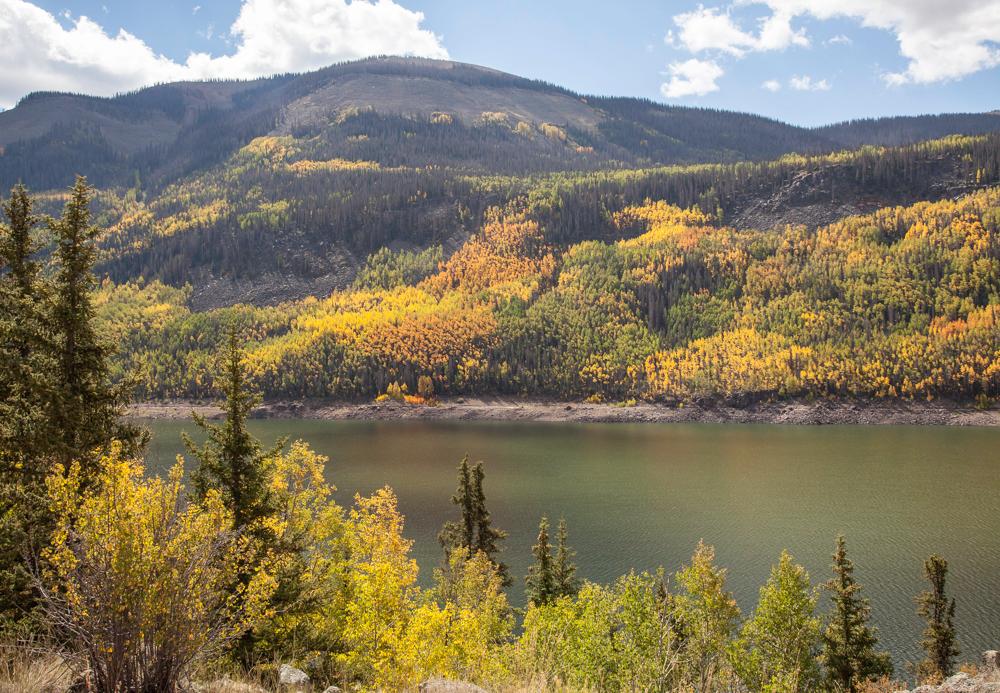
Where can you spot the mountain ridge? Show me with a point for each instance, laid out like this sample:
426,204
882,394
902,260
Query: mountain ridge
165,132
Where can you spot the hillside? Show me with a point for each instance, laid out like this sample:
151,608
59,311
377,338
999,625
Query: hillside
900,303
393,220
287,217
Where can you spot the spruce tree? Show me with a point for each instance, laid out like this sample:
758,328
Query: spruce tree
461,533
939,636
232,461
474,530
541,580
564,569
88,406
488,537
849,642
26,391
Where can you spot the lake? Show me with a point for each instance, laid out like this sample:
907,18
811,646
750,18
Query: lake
637,496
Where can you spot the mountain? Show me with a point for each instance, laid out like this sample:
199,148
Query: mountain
897,130
412,112
396,222
276,189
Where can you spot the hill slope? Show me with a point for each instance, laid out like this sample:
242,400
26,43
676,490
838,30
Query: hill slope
276,189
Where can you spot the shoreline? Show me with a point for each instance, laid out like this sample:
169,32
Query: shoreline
790,412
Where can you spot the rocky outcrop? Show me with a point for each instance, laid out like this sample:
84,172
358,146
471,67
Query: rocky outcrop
986,680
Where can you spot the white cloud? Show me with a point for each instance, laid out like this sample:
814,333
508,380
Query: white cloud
270,36
195,9
692,78
807,83
709,29
771,85
839,39
939,40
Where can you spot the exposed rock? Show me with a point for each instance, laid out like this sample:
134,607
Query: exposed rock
290,677
991,660
987,680
333,689
446,686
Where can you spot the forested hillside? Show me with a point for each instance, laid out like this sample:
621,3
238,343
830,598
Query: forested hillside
903,302
287,217
394,221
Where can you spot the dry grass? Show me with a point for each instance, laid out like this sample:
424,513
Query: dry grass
882,685
29,667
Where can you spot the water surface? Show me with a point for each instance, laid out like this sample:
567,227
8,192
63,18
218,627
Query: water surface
639,496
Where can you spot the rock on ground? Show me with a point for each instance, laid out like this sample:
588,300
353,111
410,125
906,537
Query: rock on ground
289,676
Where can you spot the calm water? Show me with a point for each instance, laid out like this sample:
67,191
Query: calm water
640,496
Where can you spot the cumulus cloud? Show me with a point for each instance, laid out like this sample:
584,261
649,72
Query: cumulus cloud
807,83
269,36
692,78
840,39
772,85
939,40
706,29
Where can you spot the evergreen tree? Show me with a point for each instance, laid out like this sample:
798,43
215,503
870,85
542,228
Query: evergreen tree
87,407
232,461
939,636
564,570
235,463
461,533
541,578
474,530
26,389
849,643
488,537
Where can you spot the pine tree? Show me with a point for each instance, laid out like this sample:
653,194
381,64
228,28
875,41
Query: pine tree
541,580
474,530
849,643
487,536
232,461
461,533
564,569
26,391
939,636
88,407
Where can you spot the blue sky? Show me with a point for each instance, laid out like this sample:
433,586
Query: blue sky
804,61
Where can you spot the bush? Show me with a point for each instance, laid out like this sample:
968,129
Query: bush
144,584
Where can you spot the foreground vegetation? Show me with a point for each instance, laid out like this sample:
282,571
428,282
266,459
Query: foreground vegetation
140,584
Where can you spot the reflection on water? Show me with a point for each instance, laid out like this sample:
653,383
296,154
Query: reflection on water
638,496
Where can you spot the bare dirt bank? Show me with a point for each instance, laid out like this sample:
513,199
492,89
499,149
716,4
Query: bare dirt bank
871,412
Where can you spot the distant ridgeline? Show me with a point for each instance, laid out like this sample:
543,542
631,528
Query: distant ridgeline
740,281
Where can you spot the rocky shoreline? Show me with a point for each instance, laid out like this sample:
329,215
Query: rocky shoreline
848,412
